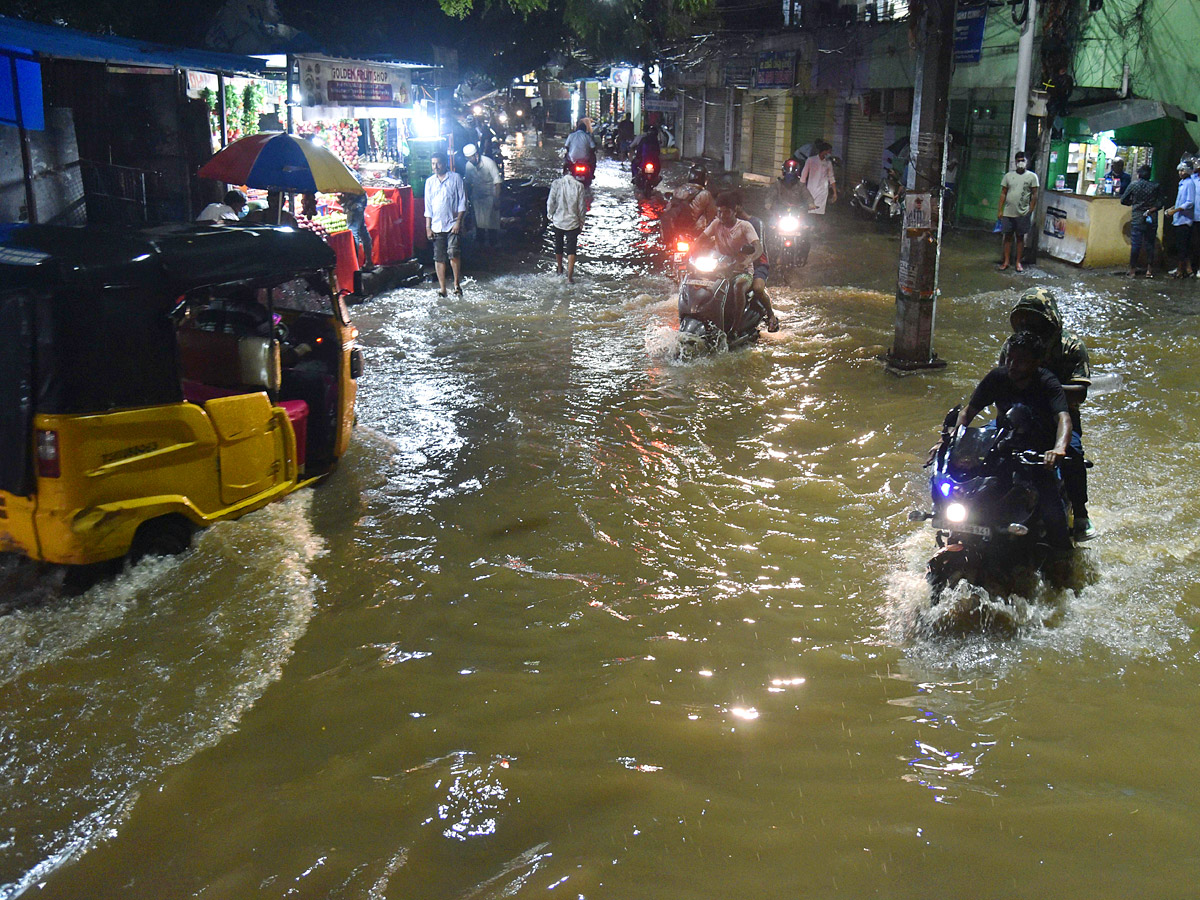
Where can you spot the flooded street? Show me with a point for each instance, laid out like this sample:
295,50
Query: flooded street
574,619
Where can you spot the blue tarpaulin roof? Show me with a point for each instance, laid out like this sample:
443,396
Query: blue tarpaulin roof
49,41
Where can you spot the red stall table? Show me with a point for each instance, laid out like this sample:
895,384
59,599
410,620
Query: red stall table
387,240
346,250
403,196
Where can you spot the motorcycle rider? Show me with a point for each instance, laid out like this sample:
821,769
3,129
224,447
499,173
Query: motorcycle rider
1065,355
624,136
692,206
1021,380
788,191
731,235
646,148
579,146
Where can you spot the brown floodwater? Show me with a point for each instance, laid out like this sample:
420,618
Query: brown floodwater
574,619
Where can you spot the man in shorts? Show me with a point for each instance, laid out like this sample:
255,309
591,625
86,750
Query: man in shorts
566,208
1018,197
445,207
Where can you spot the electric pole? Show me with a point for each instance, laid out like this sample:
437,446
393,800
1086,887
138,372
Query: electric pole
920,242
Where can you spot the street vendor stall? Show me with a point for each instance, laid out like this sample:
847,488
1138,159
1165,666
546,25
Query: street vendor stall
363,113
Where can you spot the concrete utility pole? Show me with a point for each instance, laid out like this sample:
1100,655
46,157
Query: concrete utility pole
920,243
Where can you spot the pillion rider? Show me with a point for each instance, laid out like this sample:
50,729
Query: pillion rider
1021,380
1066,356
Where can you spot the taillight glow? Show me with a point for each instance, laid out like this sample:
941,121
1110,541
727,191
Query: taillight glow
47,454
649,167
682,246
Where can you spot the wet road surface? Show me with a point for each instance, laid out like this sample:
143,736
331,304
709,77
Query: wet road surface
575,619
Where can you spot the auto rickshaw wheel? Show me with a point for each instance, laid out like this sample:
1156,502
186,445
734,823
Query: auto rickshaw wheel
167,535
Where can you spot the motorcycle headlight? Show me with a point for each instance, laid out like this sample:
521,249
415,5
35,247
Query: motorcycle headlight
789,224
705,264
956,512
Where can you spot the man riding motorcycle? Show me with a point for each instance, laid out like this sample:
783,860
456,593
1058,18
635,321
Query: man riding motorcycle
730,236
1066,356
788,191
1022,381
646,149
691,209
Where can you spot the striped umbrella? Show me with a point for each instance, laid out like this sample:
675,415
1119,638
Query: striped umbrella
274,161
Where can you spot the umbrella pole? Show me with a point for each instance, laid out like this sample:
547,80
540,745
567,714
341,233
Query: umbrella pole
275,203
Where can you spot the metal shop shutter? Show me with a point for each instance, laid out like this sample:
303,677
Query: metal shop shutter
690,144
863,154
714,128
762,145
808,121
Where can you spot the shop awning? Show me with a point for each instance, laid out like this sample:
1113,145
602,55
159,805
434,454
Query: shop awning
1131,111
52,42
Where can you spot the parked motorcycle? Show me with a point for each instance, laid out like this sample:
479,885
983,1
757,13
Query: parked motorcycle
522,206
788,242
707,321
883,201
985,505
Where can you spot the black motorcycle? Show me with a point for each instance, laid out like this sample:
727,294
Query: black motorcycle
583,169
522,206
985,505
646,177
707,320
788,241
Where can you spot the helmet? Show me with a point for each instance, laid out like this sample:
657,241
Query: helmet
698,175
791,167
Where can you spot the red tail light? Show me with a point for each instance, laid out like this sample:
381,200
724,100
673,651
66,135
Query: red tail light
581,170
47,454
682,246
787,243
649,168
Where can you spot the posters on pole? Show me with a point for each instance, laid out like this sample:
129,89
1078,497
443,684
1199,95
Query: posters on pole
348,82
969,22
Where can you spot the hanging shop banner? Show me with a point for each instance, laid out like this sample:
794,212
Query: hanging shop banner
775,69
658,104
969,21
351,82
626,77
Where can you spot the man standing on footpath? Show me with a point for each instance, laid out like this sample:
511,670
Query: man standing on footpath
483,179
1146,199
445,207
1183,213
1018,197
567,208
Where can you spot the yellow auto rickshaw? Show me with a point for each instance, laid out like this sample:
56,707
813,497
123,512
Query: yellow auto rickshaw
156,381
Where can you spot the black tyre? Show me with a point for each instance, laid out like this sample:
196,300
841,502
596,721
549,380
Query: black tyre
168,535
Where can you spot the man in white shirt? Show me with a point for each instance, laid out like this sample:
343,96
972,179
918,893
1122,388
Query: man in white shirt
445,207
483,183
567,208
817,176
228,211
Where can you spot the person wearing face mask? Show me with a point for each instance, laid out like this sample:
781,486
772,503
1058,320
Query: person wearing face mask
1018,197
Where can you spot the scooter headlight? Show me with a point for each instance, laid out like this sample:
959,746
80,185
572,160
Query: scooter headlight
956,512
789,224
705,264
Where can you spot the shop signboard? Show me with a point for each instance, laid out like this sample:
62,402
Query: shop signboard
1066,228
969,22
658,104
775,69
351,82
739,72
626,77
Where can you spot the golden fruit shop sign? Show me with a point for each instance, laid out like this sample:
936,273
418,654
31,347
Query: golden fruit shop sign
352,82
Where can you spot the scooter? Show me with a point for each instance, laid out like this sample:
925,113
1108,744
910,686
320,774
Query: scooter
584,170
985,505
883,201
522,206
707,321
